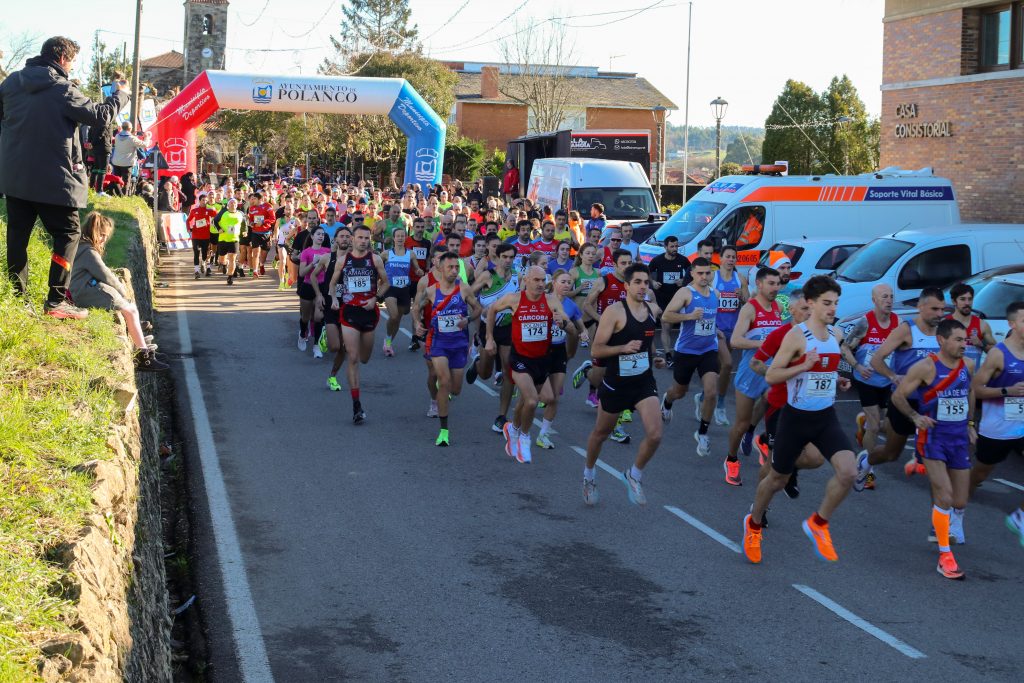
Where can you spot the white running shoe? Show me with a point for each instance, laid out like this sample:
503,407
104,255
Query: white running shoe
1015,523
721,418
523,454
301,343
703,444
862,471
543,441
317,353
666,413
634,488
432,410
590,492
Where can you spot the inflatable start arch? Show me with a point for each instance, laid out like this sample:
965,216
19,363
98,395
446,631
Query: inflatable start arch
175,129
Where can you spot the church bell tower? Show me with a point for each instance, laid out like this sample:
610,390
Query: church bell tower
206,32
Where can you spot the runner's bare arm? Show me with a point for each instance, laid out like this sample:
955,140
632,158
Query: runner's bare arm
793,346
991,368
673,313
475,309
612,320
988,340
590,303
920,374
847,348
481,282
382,277
900,336
738,339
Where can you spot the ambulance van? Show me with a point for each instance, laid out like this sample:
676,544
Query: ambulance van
762,208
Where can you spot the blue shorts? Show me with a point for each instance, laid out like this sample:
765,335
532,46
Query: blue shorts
457,356
748,382
954,452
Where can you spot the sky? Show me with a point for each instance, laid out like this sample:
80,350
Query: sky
741,50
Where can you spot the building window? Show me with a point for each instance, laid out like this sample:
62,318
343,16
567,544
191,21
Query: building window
207,24
573,118
1002,43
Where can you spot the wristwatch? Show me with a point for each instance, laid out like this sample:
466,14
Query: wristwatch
1003,391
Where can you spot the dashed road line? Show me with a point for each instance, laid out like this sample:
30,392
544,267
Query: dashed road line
704,528
864,625
1010,484
600,463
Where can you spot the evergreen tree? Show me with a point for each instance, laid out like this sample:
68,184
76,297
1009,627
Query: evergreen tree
369,26
793,129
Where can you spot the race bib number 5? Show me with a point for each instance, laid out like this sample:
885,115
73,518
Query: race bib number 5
534,332
1013,409
633,364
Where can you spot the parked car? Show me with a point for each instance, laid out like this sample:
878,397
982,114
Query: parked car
810,258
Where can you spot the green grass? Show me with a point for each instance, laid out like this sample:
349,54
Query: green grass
55,414
121,210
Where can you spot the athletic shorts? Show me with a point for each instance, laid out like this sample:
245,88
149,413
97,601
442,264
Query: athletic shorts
956,453
872,396
558,359
990,451
401,296
306,291
536,368
358,318
259,240
685,364
224,248
502,335
771,424
617,397
457,356
748,382
901,424
244,240
330,315
797,428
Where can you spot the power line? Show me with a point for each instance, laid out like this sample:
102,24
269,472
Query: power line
615,21
449,20
259,16
330,6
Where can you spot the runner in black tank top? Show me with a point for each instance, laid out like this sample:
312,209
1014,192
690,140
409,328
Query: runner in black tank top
624,342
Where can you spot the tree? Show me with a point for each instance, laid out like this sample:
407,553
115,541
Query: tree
744,148
14,49
793,129
494,163
463,157
849,143
539,57
253,128
731,168
369,26
104,66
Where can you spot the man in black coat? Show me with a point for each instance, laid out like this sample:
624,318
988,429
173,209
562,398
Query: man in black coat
42,171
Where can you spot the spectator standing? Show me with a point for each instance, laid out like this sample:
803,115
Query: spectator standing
101,145
126,147
510,182
188,190
41,165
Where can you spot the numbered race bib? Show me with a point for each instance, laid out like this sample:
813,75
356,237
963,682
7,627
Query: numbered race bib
705,327
535,332
821,384
201,223
669,278
728,301
448,323
633,364
1013,409
420,253
357,284
952,409
400,281
557,335
258,220
587,285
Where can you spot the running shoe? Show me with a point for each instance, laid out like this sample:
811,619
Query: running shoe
389,351
209,272
498,378
747,444
442,438
762,447
751,542
584,344
1015,523
863,468
523,455
703,444
861,421
821,539
317,353
792,487
698,403
432,410
666,413
869,483
231,280
359,417
627,416
619,436
956,527
634,488
593,400
732,472
471,372
590,492
414,344
948,567
198,276
511,440
301,343
332,383
721,418
280,286
580,374
499,424
543,441
914,466
322,342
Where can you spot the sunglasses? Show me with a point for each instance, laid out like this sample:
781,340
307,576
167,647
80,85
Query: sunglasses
615,239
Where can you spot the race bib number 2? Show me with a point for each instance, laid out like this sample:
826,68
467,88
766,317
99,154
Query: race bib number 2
633,364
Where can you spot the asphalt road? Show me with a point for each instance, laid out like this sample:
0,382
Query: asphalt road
327,551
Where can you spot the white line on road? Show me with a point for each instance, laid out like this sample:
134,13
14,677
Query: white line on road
600,463
245,626
1010,484
869,628
703,528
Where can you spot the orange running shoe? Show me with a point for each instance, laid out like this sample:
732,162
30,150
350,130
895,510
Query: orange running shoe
861,421
751,542
822,540
914,466
948,567
732,472
762,445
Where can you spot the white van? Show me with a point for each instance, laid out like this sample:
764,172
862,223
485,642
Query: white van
910,260
575,184
756,211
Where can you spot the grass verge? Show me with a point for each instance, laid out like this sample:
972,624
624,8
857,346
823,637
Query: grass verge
55,414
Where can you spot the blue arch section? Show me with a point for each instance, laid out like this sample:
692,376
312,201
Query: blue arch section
425,130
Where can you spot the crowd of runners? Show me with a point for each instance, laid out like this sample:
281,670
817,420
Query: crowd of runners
512,294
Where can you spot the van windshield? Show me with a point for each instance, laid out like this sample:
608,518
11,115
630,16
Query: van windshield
620,203
873,260
992,299
687,222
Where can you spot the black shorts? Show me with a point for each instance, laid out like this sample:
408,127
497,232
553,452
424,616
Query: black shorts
502,335
244,240
619,396
558,359
993,451
306,291
401,296
901,424
224,248
260,240
797,428
685,364
771,424
536,368
358,318
873,396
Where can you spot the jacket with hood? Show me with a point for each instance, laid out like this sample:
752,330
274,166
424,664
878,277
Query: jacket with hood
40,150
125,147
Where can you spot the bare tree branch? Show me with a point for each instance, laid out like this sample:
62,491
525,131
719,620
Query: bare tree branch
15,48
540,64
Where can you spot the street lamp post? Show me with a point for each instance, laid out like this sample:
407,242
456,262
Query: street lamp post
718,109
659,119
843,122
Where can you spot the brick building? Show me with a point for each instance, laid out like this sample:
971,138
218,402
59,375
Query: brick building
952,97
606,100
165,72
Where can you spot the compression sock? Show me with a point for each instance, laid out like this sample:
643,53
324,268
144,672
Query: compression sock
444,421
818,520
318,329
355,395
940,520
703,429
303,328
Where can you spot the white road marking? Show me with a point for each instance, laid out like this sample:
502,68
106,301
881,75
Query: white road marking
1010,484
704,528
245,625
869,628
600,463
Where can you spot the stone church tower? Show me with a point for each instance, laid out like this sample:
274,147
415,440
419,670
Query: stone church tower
206,32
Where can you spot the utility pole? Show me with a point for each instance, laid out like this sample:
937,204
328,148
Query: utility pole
686,115
135,69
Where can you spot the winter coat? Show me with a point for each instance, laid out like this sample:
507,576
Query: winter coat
40,147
